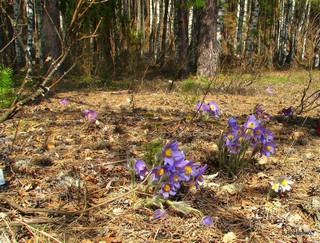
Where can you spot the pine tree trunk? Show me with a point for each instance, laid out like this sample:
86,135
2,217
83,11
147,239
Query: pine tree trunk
253,30
164,33
207,46
18,31
50,31
182,38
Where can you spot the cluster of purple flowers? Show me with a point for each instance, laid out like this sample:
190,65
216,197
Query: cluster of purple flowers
210,108
239,138
260,113
174,170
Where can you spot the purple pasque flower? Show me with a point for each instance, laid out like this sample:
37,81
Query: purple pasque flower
252,122
265,116
235,146
287,111
199,175
267,149
187,169
267,136
141,168
159,171
258,110
64,101
201,107
174,179
237,131
167,189
171,154
232,122
258,132
214,109
270,90
159,213
91,115
207,220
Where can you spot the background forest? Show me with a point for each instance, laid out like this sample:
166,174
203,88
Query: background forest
118,38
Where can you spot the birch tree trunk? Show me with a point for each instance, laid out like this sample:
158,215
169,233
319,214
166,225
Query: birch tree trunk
220,23
292,42
30,29
240,26
304,38
159,29
207,43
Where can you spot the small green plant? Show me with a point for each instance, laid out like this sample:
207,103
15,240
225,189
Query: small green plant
189,85
6,82
6,85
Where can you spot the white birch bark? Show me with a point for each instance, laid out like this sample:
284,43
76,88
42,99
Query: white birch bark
220,22
30,28
159,29
304,39
240,26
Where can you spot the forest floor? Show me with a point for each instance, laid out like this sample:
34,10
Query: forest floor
67,180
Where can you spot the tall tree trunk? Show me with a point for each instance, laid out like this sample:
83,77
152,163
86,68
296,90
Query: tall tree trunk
292,20
164,32
182,38
207,43
18,31
304,38
220,23
240,25
30,40
253,30
159,29
51,31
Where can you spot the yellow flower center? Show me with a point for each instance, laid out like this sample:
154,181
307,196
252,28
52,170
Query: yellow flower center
251,124
230,136
268,148
160,171
90,115
213,107
239,132
168,152
188,169
284,182
166,187
175,177
258,132
275,186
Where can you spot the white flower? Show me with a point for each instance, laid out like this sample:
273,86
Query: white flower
285,184
275,186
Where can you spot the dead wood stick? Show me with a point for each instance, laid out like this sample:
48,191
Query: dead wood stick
35,221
